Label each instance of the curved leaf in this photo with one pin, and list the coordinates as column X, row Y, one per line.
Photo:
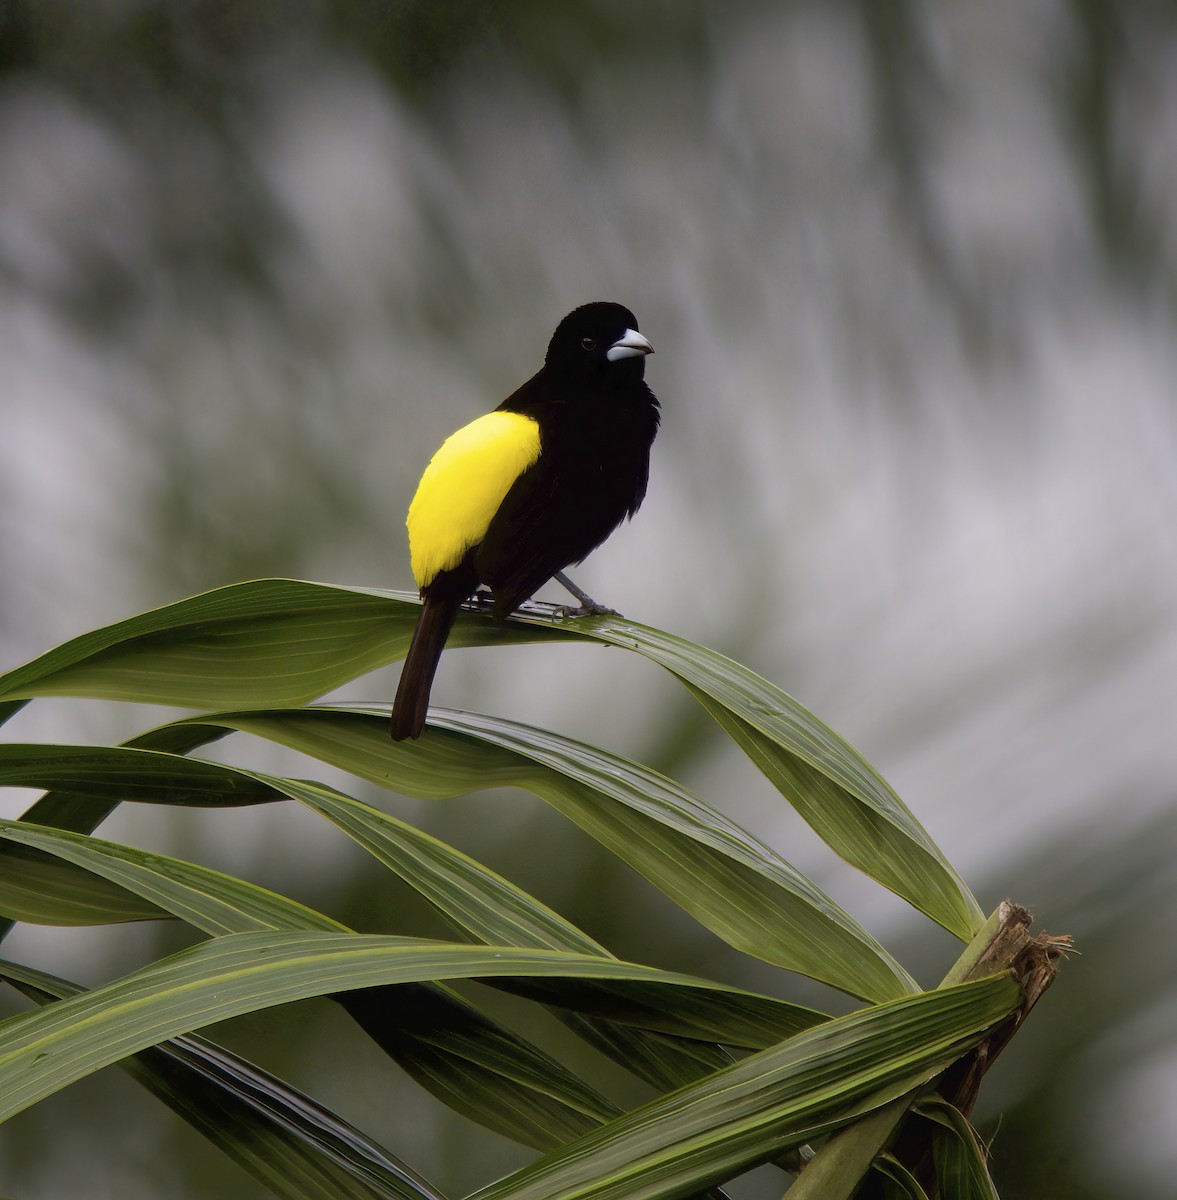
column 729, row 881
column 961, row 1167
column 83, row 814
column 666, row 833
column 842, row 797
column 281, row 642
column 284, row 1139
column 210, row 900
column 446, row 1055
column 120, row 773
column 44, row 890
column 103, row 772
column 897, row 1182
column 748, row 1113
column 473, row 899
column 43, row 1051
column 479, row 1068
column 268, row 641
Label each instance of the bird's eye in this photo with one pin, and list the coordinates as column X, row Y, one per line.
column 588, row 344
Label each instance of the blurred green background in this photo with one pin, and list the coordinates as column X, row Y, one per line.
column 910, row 272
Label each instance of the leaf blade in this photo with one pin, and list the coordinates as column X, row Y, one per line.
column 961, row 1162
column 720, row 874
column 795, row 750
column 42, row 1051
column 747, row 1113
column 478, row 1067
column 282, row 1137
column 282, row 642
column 266, row 641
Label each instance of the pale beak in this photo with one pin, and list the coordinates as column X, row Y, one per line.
column 630, row 344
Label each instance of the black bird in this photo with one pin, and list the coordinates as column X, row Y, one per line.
column 516, row 496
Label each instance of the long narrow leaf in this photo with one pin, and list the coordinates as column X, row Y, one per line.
column 210, row 900
column 470, row 1062
column 476, row 1066
column 665, row 1061
column 898, row 1183
column 491, row 909
column 284, row 1139
column 482, row 904
column 727, row 879
column 103, row 772
column 44, row 890
column 277, row 642
column 473, row 899
column 120, row 774
column 443, row 1058
column 41, row 1052
column 721, row 875
column 705, row 1133
column 82, row 814
column 845, row 800
column 961, row 1166
column 266, row 642
column 678, row 840
column 897, row 853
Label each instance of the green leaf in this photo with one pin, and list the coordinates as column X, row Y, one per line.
column 480, row 1069
column 284, row 1139
column 898, row 1183
column 119, row 773
column 492, row 909
column 883, row 841
column 65, row 810
column 961, row 1165
column 748, row 1113
column 45, row 890
column 41, row 1052
column 281, row 642
column 842, row 797
column 103, row 772
column 473, row 899
column 165, row 886
column 477, row 1067
column 266, row 642
column 442, row 1052
column 661, row 1059
column 729, row 881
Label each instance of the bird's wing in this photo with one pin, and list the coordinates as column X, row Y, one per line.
column 463, row 487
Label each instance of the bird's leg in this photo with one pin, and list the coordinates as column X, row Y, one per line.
column 588, row 606
column 482, row 598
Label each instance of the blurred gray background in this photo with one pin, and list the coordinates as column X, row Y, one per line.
column 909, row 269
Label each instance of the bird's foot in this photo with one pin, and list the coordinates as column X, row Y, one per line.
column 583, row 610
column 481, row 599
column 587, row 607
column 590, row 608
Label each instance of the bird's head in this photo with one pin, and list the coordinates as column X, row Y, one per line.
column 599, row 340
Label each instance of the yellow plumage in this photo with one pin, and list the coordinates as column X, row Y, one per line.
column 463, row 486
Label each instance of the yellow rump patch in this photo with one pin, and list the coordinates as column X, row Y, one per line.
column 463, row 486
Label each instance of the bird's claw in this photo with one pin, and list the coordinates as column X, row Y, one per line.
column 593, row 609
column 483, row 598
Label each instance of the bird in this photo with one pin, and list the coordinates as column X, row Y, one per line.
column 532, row 487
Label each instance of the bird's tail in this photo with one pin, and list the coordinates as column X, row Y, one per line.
column 412, row 694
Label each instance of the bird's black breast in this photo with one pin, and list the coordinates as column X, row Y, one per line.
column 590, row 475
